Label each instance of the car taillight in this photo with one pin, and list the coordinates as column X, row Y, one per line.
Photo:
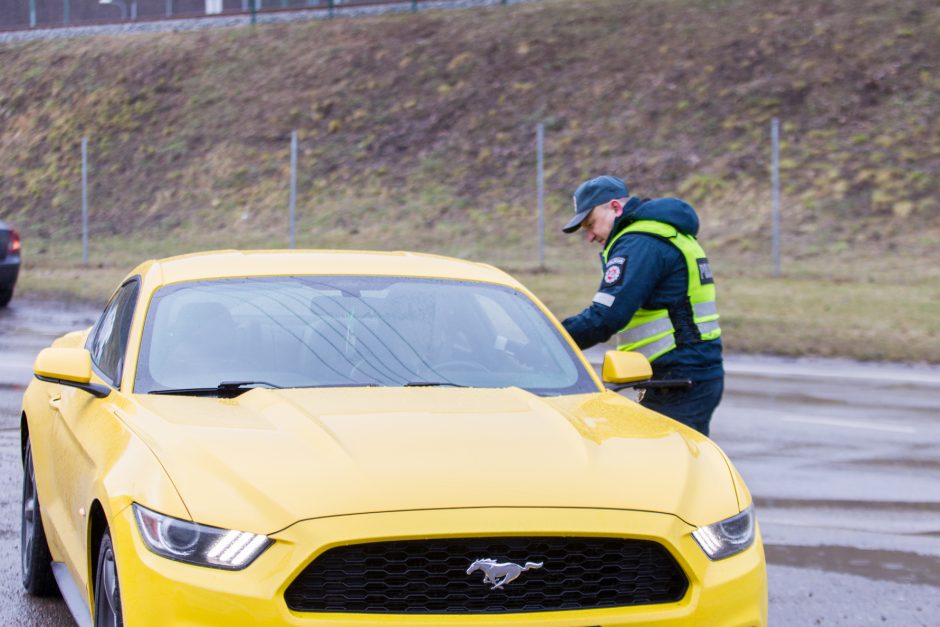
column 14, row 246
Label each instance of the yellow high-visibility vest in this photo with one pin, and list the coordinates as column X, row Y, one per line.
column 650, row 331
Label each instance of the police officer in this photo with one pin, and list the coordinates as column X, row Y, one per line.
column 657, row 291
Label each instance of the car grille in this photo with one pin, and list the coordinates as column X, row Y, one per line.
column 430, row 576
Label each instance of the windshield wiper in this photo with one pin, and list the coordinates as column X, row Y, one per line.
column 339, row 385
column 432, row 384
column 226, row 389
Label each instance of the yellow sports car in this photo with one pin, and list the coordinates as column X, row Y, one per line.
column 351, row 438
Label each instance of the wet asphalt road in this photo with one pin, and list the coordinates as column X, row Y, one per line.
column 843, row 460
column 844, row 465
column 25, row 328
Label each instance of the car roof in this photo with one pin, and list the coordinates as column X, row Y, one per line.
column 236, row 263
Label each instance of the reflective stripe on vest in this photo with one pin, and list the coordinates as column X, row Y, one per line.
column 707, row 327
column 655, row 349
column 650, row 331
column 647, row 329
column 708, row 308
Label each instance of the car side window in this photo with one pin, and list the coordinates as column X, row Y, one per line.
column 108, row 342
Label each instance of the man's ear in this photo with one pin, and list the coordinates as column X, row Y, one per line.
column 617, row 206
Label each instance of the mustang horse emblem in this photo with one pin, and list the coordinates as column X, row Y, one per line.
column 499, row 574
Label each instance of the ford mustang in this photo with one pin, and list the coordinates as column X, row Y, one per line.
column 352, row 438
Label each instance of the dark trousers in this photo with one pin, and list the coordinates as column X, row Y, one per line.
column 691, row 406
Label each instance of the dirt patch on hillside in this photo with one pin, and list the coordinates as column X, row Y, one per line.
column 432, row 116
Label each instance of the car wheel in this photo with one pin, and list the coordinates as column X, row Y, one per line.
column 6, row 293
column 107, row 589
column 35, row 559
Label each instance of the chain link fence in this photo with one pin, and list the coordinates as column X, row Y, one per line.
column 44, row 14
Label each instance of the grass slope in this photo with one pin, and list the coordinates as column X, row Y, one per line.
column 417, row 132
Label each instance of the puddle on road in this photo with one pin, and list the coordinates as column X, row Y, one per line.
column 27, row 324
column 844, row 504
column 46, row 316
column 887, row 462
column 894, row 566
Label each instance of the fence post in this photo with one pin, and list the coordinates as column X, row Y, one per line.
column 66, row 12
column 540, row 186
column 293, row 189
column 775, row 183
column 414, row 5
column 169, row 8
column 253, row 11
column 120, row 4
column 32, row 13
column 85, row 200
column 329, row 7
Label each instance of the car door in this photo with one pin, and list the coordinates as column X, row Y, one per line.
column 84, row 427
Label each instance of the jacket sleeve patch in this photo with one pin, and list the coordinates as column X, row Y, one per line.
column 613, row 273
column 603, row 298
column 705, row 272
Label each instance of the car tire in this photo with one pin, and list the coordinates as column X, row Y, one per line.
column 35, row 559
column 107, row 587
column 6, row 293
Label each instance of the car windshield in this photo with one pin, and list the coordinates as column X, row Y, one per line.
column 291, row 332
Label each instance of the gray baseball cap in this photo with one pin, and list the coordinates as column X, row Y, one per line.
column 592, row 193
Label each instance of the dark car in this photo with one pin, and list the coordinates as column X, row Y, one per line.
column 9, row 261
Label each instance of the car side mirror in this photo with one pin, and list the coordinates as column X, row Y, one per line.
column 625, row 367
column 68, row 366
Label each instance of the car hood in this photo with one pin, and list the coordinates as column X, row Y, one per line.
column 269, row 458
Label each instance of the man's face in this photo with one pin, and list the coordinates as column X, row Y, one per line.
column 599, row 223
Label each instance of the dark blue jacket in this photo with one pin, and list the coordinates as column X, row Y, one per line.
column 654, row 275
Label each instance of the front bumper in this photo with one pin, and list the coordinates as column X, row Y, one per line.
column 156, row 590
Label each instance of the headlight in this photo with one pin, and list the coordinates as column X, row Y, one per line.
column 193, row 543
column 728, row 537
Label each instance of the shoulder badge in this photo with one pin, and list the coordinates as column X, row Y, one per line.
column 613, row 273
column 705, row 272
